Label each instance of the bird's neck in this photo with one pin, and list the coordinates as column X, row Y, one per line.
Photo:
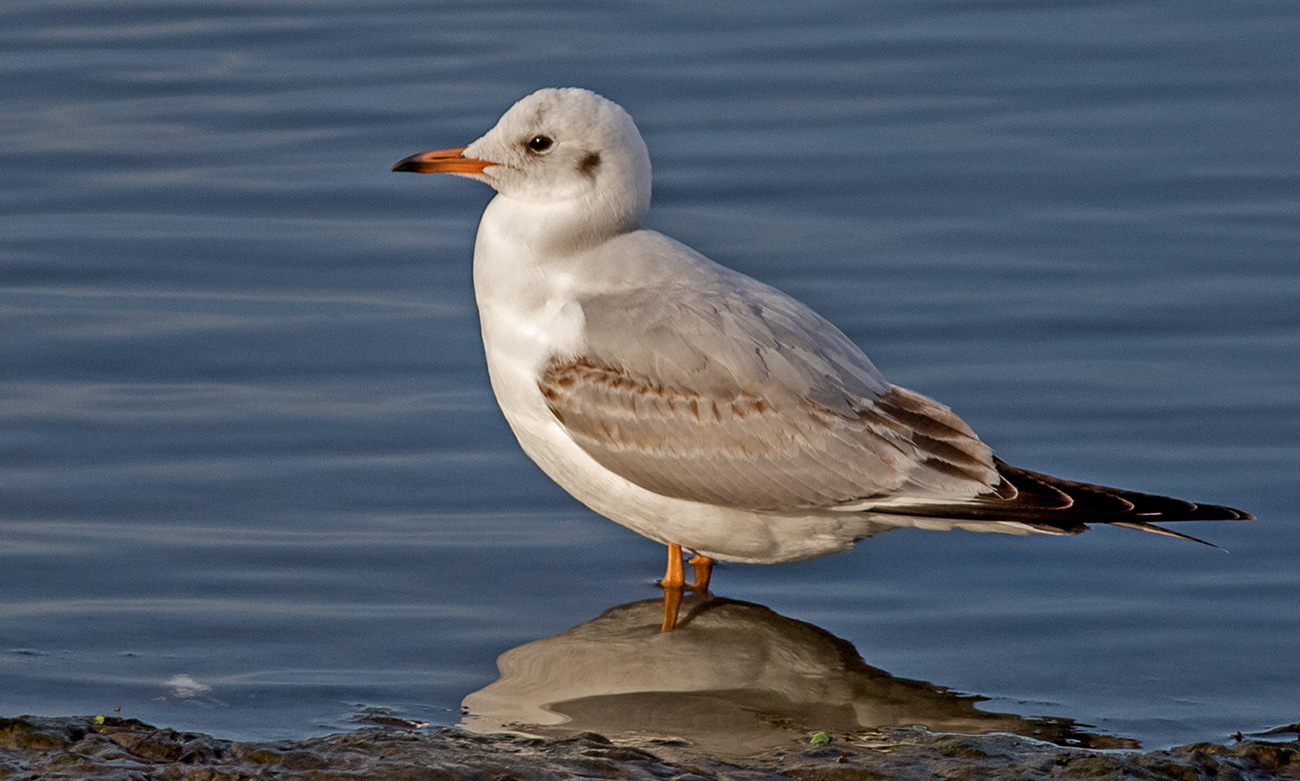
column 558, row 230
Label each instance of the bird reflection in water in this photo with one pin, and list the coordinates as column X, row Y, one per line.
column 737, row 678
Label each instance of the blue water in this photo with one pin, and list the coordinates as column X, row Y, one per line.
column 252, row 478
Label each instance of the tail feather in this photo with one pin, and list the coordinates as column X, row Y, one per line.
column 1058, row 505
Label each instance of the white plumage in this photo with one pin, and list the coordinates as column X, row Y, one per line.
column 698, row 406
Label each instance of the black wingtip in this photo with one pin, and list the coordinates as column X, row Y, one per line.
column 1057, row 506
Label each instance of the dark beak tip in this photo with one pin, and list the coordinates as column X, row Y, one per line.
column 406, row 165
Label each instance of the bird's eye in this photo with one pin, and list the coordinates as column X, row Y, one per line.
column 539, row 143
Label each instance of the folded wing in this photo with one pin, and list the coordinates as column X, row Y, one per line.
column 752, row 402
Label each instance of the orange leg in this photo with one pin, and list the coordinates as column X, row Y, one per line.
column 672, row 605
column 674, row 583
column 675, row 576
column 703, row 566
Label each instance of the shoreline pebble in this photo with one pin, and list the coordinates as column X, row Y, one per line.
column 81, row 747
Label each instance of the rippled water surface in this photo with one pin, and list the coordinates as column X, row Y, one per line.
column 252, row 478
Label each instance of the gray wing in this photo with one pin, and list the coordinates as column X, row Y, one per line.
column 743, row 397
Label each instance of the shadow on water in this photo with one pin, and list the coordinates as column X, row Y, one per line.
column 734, row 677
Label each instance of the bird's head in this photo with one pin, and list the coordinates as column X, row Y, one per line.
column 557, row 146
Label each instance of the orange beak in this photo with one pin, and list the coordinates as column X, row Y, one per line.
column 442, row 161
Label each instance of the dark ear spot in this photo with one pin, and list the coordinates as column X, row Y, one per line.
column 589, row 165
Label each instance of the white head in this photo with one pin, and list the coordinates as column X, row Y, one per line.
column 558, row 146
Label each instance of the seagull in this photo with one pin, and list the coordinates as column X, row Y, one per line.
column 696, row 405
